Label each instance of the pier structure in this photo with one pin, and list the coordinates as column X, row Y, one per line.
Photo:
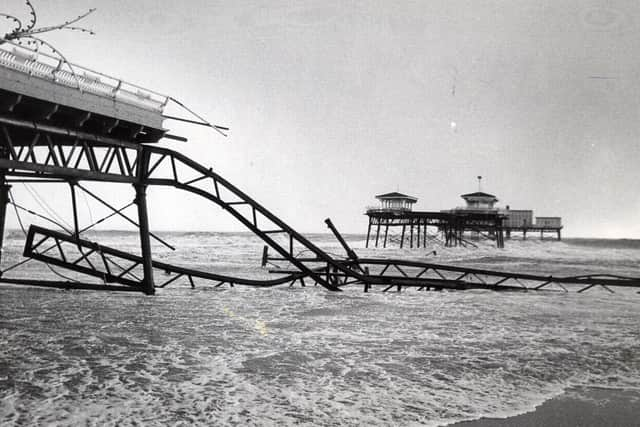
column 79, row 126
column 417, row 228
column 68, row 125
column 521, row 222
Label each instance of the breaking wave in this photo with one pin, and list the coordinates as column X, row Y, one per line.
column 306, row 356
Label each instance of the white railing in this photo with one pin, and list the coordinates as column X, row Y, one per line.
column 41, row 65
column 470, row 209
column 372, row 209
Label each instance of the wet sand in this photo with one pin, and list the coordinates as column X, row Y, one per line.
column 583, row 407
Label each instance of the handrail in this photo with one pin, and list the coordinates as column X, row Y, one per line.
column 79, row 77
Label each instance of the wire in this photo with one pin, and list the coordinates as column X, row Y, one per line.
column 25, row 234
column 40, row 216
column 43, row 204
column 86, row 202
column 24, row 261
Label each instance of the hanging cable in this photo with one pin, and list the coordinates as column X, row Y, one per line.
column 25, row 234
column 40, row 216
column 43, row 204
column 86, row 202
column 18, row 264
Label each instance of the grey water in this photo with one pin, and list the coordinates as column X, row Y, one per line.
column 305, row 356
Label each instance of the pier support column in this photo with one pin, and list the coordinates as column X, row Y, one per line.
column 445, row 233
column 74, row 205
column 418, row 238
column 411, row 236
column 424, row 236
column 368, row 233
column 148, row 286
column 386, row 232
column 4, row 199
column 378, row 233
column 402, row 236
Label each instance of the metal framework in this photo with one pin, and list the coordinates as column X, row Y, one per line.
column 44, row 153
column 398, row 274
column 60, row 126
column 37, row 152
column 451, row 226
column 34, row 151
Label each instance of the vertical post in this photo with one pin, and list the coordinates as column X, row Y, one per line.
column 378, row 232
column 402, row 237
column 141, row 200
column 368, row 233
column 386, row 232
column 424, row 236
column 419, row 233
column 445, row 228
column 367, row 285
column 4, row 199
column 559, row 238
column 74, row 205
column 411, row 235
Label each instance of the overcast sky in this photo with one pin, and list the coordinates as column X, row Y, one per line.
column 332, row 102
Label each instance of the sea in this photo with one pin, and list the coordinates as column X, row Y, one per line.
column 306, row 356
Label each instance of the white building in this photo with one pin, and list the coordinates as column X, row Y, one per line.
column 480, row 201
column 396, row 202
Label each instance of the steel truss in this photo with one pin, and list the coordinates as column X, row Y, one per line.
column 43, row 153
column 403, row 273
column 395, row 273
column 115, row 266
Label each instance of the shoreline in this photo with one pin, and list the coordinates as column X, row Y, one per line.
column 577, row 406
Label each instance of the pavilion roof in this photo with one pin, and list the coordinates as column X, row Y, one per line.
column 479, row 194
column 396, row 195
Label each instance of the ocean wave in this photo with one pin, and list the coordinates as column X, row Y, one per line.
column 307, row 356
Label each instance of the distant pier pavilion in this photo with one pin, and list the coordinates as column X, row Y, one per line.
column 395, row 221
column 417, row 228
column 396, row 202
column 515, row 221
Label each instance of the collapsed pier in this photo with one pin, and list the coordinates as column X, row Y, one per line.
column 77, row 125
